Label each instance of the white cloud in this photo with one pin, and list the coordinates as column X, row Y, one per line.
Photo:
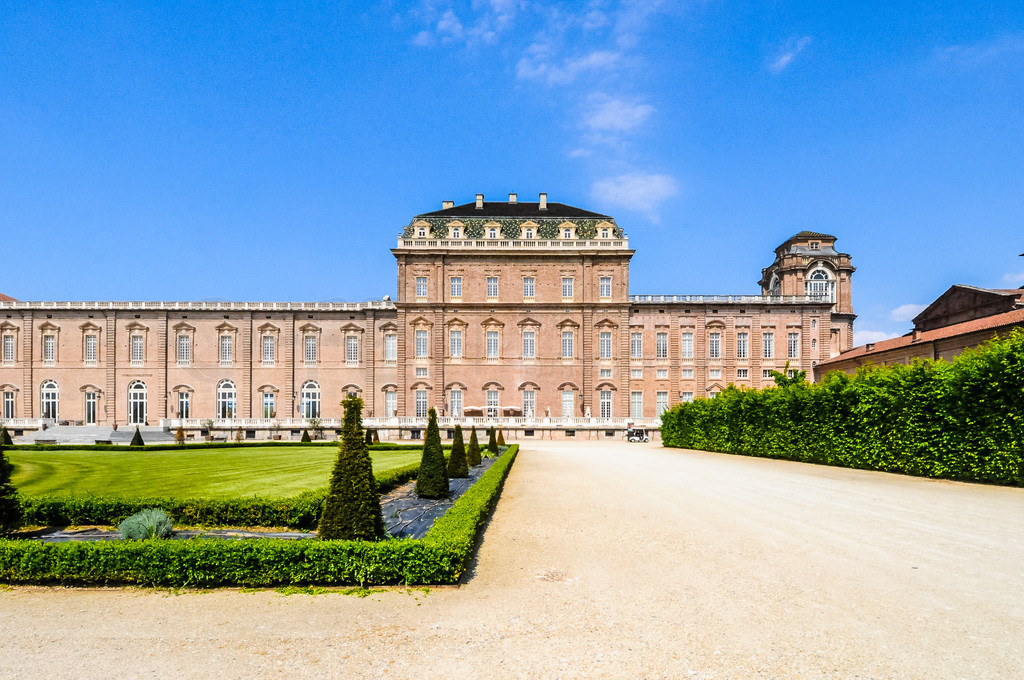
column 906, row 312
column 579, row 153
column 1014, row 278
column 984, row 51
column 485, row 22
column 608, row 113
column 635, row 191
column 539, row 65
column 449, row 26
column 864, row 337
column 788, row 54
column 423, row 39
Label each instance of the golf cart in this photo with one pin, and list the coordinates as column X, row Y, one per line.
column 637, row 434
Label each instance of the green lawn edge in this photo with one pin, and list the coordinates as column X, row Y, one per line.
column 441, row 557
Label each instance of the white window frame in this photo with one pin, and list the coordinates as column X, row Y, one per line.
column 492, row 343
column 137, row 344
column 309, row 399
column 568, row 403
column 636, row 345
column 184, row 404
column 390, row 347
column 529, row 344
column 568, row 344
column 605, row 287
column 49, row 349
column 137, row 402
column 660, row 402
column 8, row 405
column 421, row 286
column 352, row 350
column 309, row 350
column 604, row 344
column 390, row 404
column 686, row 374
column 793, row 345
column 768, row 345
column 636, row 404
column 661, row 345
column 686, row 345
column 714, row 374
column 268, row 348
column 269, row 407
column 10, row 348
column 529, row 403
column 493, row 403
column 567, row 287
column 605, row 403
column 455, row 402
column 49, row 400
column 455, row 288
column 422, row 344
column 92, row 344
column 605, row 373
column 455, row 343
column 226, row 345
column 686, row 397
column 714, row 345
column 742, row 374
column 742, row 345
column 529, row 287
column 227, row 399
column 662, row 374
column 421, row 404
column 183, row 349
column 492, row 287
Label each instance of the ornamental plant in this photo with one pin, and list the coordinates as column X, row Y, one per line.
column 473, row 452
column 501, row 438
column 147, row 524
column 137, row 438
column 305, row 437
column 10, row 505
column 369, row 436
column 492, row 444
column 179, row 435
column 352, row 507
column 457, row 464
column 432, row 480
column 5, row 437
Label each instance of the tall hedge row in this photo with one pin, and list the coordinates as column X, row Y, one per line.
column 962, row 419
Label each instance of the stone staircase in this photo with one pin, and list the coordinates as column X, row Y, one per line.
column 89, row 434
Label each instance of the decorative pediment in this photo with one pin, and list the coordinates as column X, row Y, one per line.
column 90, row 388
column 352, row 328
column 183, row 388
column 530, row 385
column 351, row 387
column 455, row 386
column 493, row 385
column 716, row 323
column 568, row 386
column 605, row 386
column 568, row 323
column 9, row 388
column 528, row 322
column 267, row 388
column 183, row 327
column 421, row 385
column 309, row 328
column 226, row 327
column 8, row 326
column 268, row 328
column 388, row 327
column 491, row 322
column 715, row 386
column 49, row 326
column 456, row 321
column 88, row 327
column 137, row 326
column 607, row 324
column 389, row 387
column 421, row 322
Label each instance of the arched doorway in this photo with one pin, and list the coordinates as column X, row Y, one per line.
column 226, row 395
column 310, row 403
column 49, row 400
column 137, row 403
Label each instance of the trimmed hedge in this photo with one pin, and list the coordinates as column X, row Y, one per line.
column 955, row 420
column 201, row 445
column 298, row 512
column 440, row 557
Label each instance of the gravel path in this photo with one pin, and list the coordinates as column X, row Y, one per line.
column 611, row 560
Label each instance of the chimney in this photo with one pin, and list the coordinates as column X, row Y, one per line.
column 445, row 205
column 916, row 335
column 479, row 201
column 512, row 198
column 543, row 202
column 870, row 346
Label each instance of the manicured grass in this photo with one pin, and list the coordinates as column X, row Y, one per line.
column 266, row 472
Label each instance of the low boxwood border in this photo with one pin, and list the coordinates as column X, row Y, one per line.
column 439, row 558
column 199, row 446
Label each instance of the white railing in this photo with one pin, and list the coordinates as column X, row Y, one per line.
column 201, row 306
column 750, row 299
column 24, row 422
column 406, row 422
column 511, row 244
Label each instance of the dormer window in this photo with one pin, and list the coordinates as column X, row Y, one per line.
column 422, row 233
column 604, row 233
column 529, row 233
column 493, row 233
column 815, row 245
column 567, row 233
column 456, row 232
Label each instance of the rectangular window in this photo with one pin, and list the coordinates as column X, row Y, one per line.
column 636, row 373
column 528, row 287
column 269, row 350
column 636, row 404
column 662, row 374
column 766, row 373
column 606, row 372
column 606, row 287
column 493, row 407
column 568, row 403
column 351, row 349
column 714, row 345
column 421, row 286
column 686, row 396
column 529, row 403
column 8, row 405
column 715, row 374
column 421, row 371
column 184, row 404
column 768, row 345
column 606, row 403
column 661, row 345
column 137, row 347
column 268, row 405
column 390, row 347
column 455, row 344
column 567, row 345
column 421, row 344
column 793, row 345
column 91, row 344
column 742, row 345
column 49, row 349
column 421, row 403
column 492, row 286
column 455, row 400
column 529, row 344
column 661, row 402
column 686, row 373
column 8, row 349
column 636, row 345
column 605, row 344
column 567, row 287
column 742, row 373
column 309, row 343
column 390, row 404
column 686, row 346
column 226, row 350
column 456, row 287
column 492, row 344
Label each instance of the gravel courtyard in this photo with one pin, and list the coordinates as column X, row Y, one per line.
column 611, row 560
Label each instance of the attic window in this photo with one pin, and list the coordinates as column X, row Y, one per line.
column 422, row 232
column 815, row 245
column 456, row 233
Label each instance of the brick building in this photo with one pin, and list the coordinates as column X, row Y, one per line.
column 510, row 310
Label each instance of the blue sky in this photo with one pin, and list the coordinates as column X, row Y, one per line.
column 221, row 151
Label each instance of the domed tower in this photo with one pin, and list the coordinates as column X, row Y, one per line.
column 808, row 264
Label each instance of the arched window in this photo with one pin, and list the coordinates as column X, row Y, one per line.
column 493, row 233
column 310, row 403
column 529, row 233
column 821, row 284
column 226, row 399
column 567, row 233
column 456, row 232
column 422, row 233
column 774, row 288
column 49, row 400
column 137, row 403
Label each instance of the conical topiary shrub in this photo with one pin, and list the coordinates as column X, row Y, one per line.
column 473, row 451
column 376, row 438
column 492, row 444
column 501, row 438
column 352, row 507
column 369, row 436
column 457, row 465
column 5, row 437
column 305, row 437
column 10, row 506
column 432, row 479
column 137, row 438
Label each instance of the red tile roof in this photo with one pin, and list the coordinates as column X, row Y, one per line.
column 993, row 323
column 7, row 298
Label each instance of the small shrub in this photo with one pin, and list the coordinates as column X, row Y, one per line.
column 5, row 437
column 137, row 439
column 369, row 436
column 376, row 439
column 501, row 438
column 305, row 437
column 147, row 524
column 179, row 435
column 473, row 451
column 10, row 505
column 492, row 444
column 238, row 435
column 458, row 467
column 432, row 480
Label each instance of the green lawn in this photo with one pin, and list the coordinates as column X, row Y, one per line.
column 212, row 473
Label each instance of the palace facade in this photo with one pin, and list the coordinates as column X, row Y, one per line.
column 505, row 310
